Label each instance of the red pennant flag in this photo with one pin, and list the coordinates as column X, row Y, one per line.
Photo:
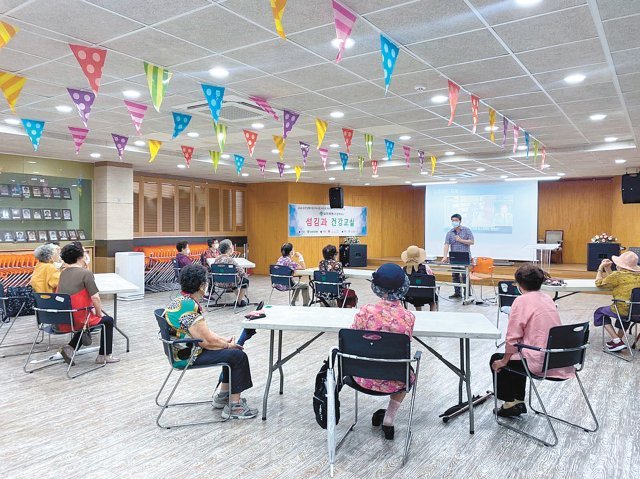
column 187, row 151
column 252, row 139
column 544, row 157
column 475, row 103
column 374, row 165
column 91, row 61
column 79, row 135
column 454, row 92
column 348, row 136
column 407, row 155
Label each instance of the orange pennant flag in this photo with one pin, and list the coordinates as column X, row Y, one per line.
column 11, row 86
column 280, row 144
column 7, row 32
column 154, row 147
column 277, row 6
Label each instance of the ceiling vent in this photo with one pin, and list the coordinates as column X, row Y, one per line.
column 234, row 109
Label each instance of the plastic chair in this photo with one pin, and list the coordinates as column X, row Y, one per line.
column 423, row 287
column 626, row 323
column 483, row 269
column 507, row 293
column 327, row 286
column 224, row 279
column 282, row 276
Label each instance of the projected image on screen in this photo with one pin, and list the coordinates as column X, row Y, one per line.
column 484, row 213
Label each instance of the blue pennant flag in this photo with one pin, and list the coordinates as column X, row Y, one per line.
column 213, row 95
column 389, row 145
column 526, row 142
column 239, row 163
column 34, row 129
column 180, row 123
column 344, row 158
column 389, row 56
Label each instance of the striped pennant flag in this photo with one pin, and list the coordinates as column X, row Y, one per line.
column 11, row 86
column 324, row 154
column 264, row 105
column 137, row 112
column 321, row 127
column 368, row 141
column 277, row 7
column 221, row 134
column 158, row 78
column 280, row 144
column 78, row 135
column 434, row 160
column 215, row 159
column 407, row 155
column 344, row 21
column 7, row 31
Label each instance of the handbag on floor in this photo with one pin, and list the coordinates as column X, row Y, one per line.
column 20, row 302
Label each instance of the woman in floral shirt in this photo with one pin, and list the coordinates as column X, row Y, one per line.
column 287, row 260
column 329, row 264
column 390, row 284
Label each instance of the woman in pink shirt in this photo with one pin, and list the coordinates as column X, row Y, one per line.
column 533, row 314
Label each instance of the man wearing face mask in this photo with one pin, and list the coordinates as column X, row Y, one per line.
column 459, row 238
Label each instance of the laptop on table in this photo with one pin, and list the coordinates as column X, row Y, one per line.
column 459, row 258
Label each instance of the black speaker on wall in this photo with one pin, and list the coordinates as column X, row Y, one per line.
column 630, row 189
column 336, row 197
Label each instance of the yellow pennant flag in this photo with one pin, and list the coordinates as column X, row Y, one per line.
column 154, row 147
column 321, row 126
column 277, row 7
column 280, row 144
column 11, row 86
column 215, row 159
column 492, row 124
column 298, row 170
column 433, row 164
column 7, row 32
column 158, row 78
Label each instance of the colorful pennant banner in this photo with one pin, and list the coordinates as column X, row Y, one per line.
column 280, row 144
column 239, row 161
column 389, row 145
column 180, row 123
column 214, row 96
column 475, row 104
column 505, row 127
column 344, row 20
column 407, row 155
column 434, row 160
column 7, row 32
column 421, row 159
column 298, row 170
column 389, row 56
column 120, row 142
column 280, row 168
column 492, row 125
column 34, row 129
column 158, row 79
column 91, row 61
column 374, row 166
column 526, row 142
column 454, row 92
column 536, row 145
column 304, row 148
column 137, row 112
column 251, row 138
column 543, row 155
column 348, row 137
column 221, row 134
column 324, row 154
column 187, row 152
column 78, row 135
column 516, row 132
column 215, row 159
column 83, row 101
column 344, row 158
column 262, row 164
column 277, row 7
column 321, row 128
column 264, row 105
column 154, row 148
column 290, row 118
column 368, row 142
column 360, row 164
column 11, row 86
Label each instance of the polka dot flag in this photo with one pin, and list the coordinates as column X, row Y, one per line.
column 180, row 123
column 91, row 61
column 344, row 158
column 389, row 56
column 280, row 168
column 252, row 139
column 262, row 164
column 304, row 148
column 34, row 129
column 239, row 160
column 214, row 96
column 187, row 152
column 120, row 142
column 290, row 118
column 83, row 101
column 389, row 145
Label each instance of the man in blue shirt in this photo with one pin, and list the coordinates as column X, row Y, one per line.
column 459, row 238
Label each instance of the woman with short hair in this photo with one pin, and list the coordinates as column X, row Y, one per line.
column 226, row 257
column 183, row 252
column 46, row 275
column 329, row 263
column 286, row 259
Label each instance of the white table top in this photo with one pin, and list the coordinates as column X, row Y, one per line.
column 348, row 272
column 332, row 320
column 544, row 246
column 111, row 283
column 575, row 285
column 242, row 262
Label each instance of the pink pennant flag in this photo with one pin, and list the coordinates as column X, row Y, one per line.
column 516, row 132
column 304, row 148
column 79, row 135
column 454, row 92
column 324, row 154
column 344, row 20
column 348, row 137
column 261, row 165
column 544, row 157
column 83, row 101
column 120, row 142
column 374, row 165
column 280, row 168
column 421, row 159
column 187, row 151
column 407, row 155
column 264, row 104
column 252, row 139
column 137, row 111
column 475, row 103
column 290, row 118
column 91, row 61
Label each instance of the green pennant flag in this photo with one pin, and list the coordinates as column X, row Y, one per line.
column 158, row 78
column 368, row 141
column 535, row 151
column 360, row 164
column 215, row 158
column 221, row 134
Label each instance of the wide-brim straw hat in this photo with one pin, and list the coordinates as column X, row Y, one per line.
column 413, row 256
column 627, row 260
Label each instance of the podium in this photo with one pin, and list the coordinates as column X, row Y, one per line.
column 543, row 254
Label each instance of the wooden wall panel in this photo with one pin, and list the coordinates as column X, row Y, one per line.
column 624, row 218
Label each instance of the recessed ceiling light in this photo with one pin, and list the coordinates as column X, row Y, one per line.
column 481, row 169
column 36, row 172
column 504, row 177
column 139, row 143
column 337, row 41
column 522, row 147
column 275, row 151
column 534, row 178
column 545, row 166
column 560, row 174
column 404, row 137
column 287, row 167
column 225, row 156
column 407, row 182
column 384, row 158
column 336, row 114
column 367, row 184
column 597, row 117
column 64, row 108
column 527, row 3
column 95, row 155
column 610, row 139
column 182, row 167
column 32, row 162
column 374, row 176
column 219, row 72
column 331, row 178
column 449, row 153
column 193, row 134
column 333, row 162
column 491, row 128
column 574, row 78
column 453, row 180
column 439, row 99
column 12, row 121
column 245, row 174
column 257, row 126
column 424, row 172
column 334, row 145
column 620, row 161
column 131, row 94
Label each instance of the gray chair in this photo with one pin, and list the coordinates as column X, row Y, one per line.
column 626, row 323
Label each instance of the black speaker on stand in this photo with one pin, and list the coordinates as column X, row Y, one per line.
column 596, row 252
column 353, row 255
column 336, row 197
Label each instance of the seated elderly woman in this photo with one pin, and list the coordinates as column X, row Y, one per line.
column 185, row 317
column 330, row 263
column 286, row 259
column 414, row 259
column 182, row 255
column 46, row 274
column 226, row 257
column 621, row 282
column 390, row 284
column 533, row 314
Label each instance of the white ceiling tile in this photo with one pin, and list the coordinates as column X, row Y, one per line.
column 597, row 73
column 586, row 52
column 354, row 93
column 579, row 92
column 501, row 11
column 150, row 11
column 627, row 61
column 617, row 8
column 267, row 87
column 275, row 56
column 622, row 33
column 484, row 70
column 319, row 76
column 369, row 66
column 630, row 82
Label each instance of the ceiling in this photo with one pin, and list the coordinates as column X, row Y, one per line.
column 514, row 58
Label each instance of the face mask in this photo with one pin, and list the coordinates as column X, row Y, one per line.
column 87, row 259
column 58, row 264
column 455, row 224
column 187, row 252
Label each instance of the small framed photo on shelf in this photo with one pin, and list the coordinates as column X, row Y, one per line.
column 36, row 192
column 16, row 214
column 46, row 192
column 16, row 191
column 7, row 237
column 26, row 213
column 42, row 236
column 73, row 236
column 26, row 191
column 66, row 193
column 62, row 235
column 21, row 237
column 55, row 193
column 46, row 214
column 66, row 215
column 57, row 214
column 81, row 235
column 53, row 235
column 36, row 214
column 31, row 236
column 5, row 214
column 4, row 190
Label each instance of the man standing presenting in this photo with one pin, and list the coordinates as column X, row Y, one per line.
column 459, row 238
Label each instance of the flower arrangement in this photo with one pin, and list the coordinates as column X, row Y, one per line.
column 351, row 240
column 604, row 238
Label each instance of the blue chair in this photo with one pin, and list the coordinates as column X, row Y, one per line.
column 566, row 347
column 507, row 293
column 224, row 278
column 327, row 286
column 282, row 276
column 626, row 323
column 52, row 311
column 191, row 348
column 369, row 355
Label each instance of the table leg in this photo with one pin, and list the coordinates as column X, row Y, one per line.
column 467, row 373
column 280, row 362
column 115, row 319
column 269, row 375
column 462, row 372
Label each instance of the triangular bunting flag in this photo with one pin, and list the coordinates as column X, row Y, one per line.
column 187, row 152
column 290, row 118
column 368, row 142
column 7, row 32
column 516, row 132
column 277, row 7
column 505, row 127
column 79, row 135
column 360, row 164
column 389, row 56
column 280, row 168
column 83, row 101
column 321, row 127
column 492, row 125
column 154, row 148
column 374, row 166
column 344, row 20
column 475, row 103
column 536, row 145
column 389, row 145
column 421, row 159
column 261, row 165
column 120, row 142
column 34, row 129
column 298, row 170
column 434, row 160
column 158, row 79
column 348, row 137
column 526, row 142
column 91, row 61
column 304, row 148
column 344, row 158
column 11, row 86
column 252, row 138
column 264, row 104
column 214, row 96
column 215, row 159
column 221, row 135
column 454, row 91
column 543, row 155
column 239, row 160
column 280, row 144
column 137, row 111
column 407, row 155
column 180, row 123
column 324, row 154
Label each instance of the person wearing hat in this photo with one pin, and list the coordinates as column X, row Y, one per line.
column 390, row 284
column 621, row 282
column 414, row 262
